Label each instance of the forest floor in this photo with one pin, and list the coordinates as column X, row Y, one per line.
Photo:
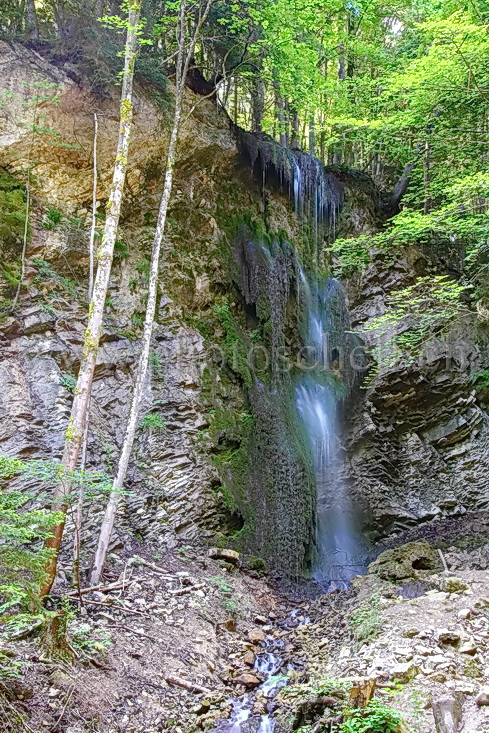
column 172, row 639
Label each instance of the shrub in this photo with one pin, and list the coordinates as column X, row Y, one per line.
column 374, row 718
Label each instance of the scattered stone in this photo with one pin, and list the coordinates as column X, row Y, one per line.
column 411, row 633
column 249, row 658
column 248, row 680
column 483, row 697
column 452, row 584
column 261, row 620
column 405, row 671
column 447, row 636
column 468, row 647
column 256, row 636
column 221, row 553
column 464, row 614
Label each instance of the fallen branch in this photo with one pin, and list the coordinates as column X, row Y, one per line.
column 187, row 685
column 102, row 588
column 152, row 566
column 187, row 589
column 53, row 728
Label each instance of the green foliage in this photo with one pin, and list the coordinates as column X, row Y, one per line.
column 374, row 718
column 88, row 640
column 22, row 556
column 428, row 308
column 60, row 282
column 12, row 211
column 52, row 219
column 68, row 381
column 365, row 623
column 234, row 345
column 121, row 250
column 229, row 603
column 153, row 421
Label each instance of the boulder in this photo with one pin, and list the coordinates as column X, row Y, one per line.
column 447, row 711
column 413, row 560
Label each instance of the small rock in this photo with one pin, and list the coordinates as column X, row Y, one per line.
column 249, row 658
column 256, row 636
column 260, row 620
column 53, row 692
column 468, row 647
column 452, row 584
column 220, row 553
column 248, row 680
column 464, row 614
column 447, row 636
column 405, row 671
column 411, row 633
column 483, row 697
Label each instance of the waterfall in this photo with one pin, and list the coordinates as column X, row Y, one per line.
column 340, row 551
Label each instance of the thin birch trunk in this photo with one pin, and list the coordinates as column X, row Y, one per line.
column 79, row 411
column 24, row 241
column 183, row 60
column 91, row 246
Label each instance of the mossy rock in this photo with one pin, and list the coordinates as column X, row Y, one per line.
column 413, row 560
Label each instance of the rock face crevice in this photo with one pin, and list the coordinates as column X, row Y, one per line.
column 418, row 435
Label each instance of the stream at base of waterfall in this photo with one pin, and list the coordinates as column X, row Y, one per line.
column 269, row 665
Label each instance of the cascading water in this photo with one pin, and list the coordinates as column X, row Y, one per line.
column 340, row 552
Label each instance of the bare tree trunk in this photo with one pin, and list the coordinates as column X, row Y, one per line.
column 79, row 411
column 31, row 26
column 183, row 60
column 426, row 178
column 257, row 103
column 312, row 137
column 94, row 207
column 24, row 241
column 294, row 140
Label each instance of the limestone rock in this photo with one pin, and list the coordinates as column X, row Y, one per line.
column 404, row 672
column 483, row 697
column 447, row 712
column 452, row 584
column 256, row 636
column 218, row 553
column 407, row 561
column 248, row 680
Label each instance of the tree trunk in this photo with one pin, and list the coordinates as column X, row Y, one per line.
column 31, row 26
column 257, row 103
column 426, row 178
column 282, row 123
column 184, row 58
column 94, row 207
column 312, row 138
column 294, row 140
column 79, row 411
